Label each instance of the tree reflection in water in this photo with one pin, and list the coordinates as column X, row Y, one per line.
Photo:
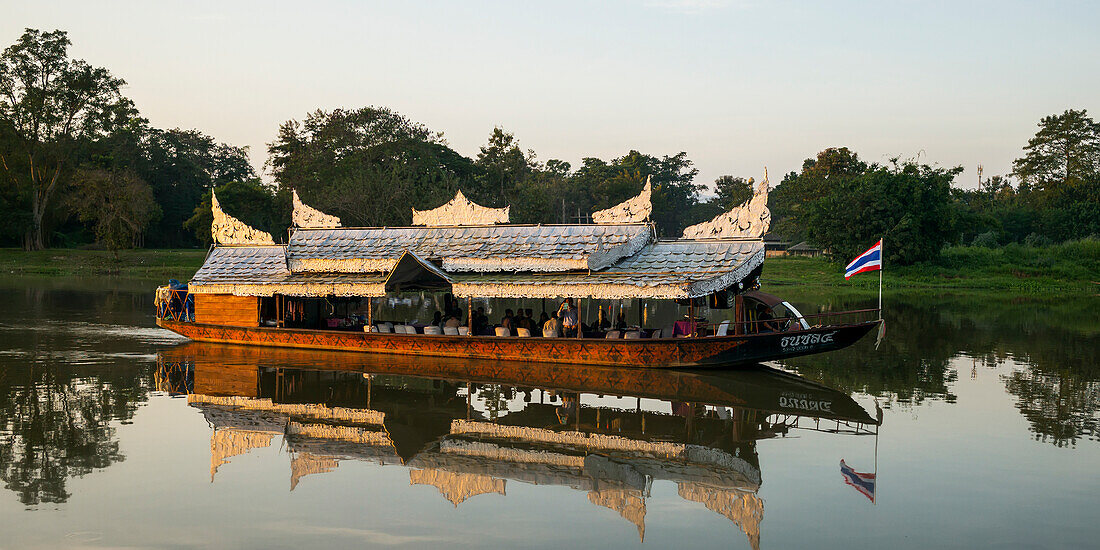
column 56, row 424
column 1055, row 342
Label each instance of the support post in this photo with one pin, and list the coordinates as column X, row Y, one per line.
column 580, row 321
column 739, row 315
column 691, row 316
column 370, row 314
column 470, row 314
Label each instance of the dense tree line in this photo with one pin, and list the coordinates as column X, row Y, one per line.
column 80, row 165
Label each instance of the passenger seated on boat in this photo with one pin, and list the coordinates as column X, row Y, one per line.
column 437, row 319
column 455, row 320
column 543, row 318
column 551, row 328
column 525, row 321
column 481, row 323
column 569, row 316
column 508, row 319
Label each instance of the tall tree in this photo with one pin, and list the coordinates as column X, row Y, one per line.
column 1064, row 151
column 503, row 166
column 50, row 103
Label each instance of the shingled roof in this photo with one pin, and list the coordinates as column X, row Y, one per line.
column 497, row 261
column 262, row 271
column 665, row 269
column 540, row 248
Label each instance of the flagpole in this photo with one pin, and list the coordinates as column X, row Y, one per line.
column 882, row 264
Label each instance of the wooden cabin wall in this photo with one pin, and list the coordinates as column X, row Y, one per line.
column 226, row 309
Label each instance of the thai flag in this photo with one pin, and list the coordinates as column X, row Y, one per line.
column 868, row 261
column 864, row 483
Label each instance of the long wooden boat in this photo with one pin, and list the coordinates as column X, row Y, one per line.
column 255, row 292
column 670, row 352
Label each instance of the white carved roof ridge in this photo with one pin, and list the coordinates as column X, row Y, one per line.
column 304, row 215
column 226, row 229
column 460, row 211
column 751, row 219
column 633, row 210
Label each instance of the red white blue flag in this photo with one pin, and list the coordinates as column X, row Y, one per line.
column 868, row 261
column 864, row 483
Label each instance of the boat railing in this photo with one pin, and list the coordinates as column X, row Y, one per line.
column 175, row 304
column 785, row 324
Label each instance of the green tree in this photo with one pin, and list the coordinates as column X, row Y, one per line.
column 369, row 166
column 1060, row 177
column 181, row 166
column 789, row 201
column 503, row 166
column 1064, row 152
column 731, row 192
column 49, row 105
column 845, row 205
column 119, row 204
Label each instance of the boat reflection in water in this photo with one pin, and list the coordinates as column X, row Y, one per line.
column 470, row 427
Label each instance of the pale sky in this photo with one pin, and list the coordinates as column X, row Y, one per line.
column 738, row 85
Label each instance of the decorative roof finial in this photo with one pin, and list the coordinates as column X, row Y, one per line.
column 633, row 210
column 226, row 229
column 305, row 215
column 749, row 220
column 460, row 211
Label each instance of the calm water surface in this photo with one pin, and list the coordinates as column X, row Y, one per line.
column 114, row 433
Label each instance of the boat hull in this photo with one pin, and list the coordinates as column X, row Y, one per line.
column 644, row 353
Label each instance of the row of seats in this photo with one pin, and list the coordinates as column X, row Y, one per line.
column 388, row 327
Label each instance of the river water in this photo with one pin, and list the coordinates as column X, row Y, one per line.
column 114, row 433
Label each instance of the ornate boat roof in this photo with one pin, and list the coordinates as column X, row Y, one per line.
column 485, row 248
column 473, row 252
column 663, row 269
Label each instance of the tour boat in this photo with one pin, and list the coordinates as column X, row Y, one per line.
column 326, row 288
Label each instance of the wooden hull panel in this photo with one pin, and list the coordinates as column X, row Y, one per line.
column 645, row 353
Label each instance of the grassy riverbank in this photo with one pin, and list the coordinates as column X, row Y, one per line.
column 1072, row 267
column 1066, row 268
column 178, row 264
